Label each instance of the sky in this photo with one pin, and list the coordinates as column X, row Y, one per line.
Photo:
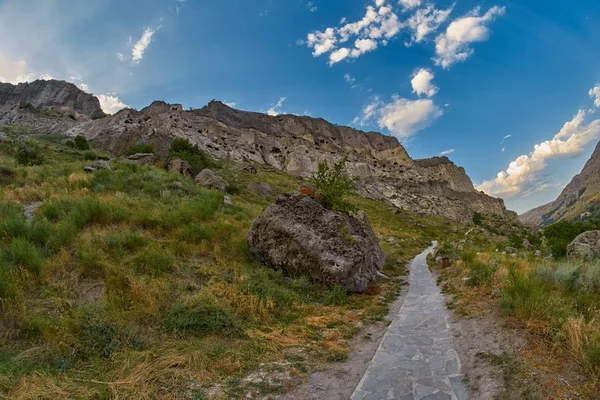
column 508, row 89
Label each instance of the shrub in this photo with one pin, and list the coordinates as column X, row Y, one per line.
column 23, row 253
column 81, row 143
column 140, row 148
column 481, row 274
column 468, row 257
column 28, row 156
column 335, row 185
column 561, row 234
column 477, row 218
column 90, row 211
column 202, row 315
column 197, row 158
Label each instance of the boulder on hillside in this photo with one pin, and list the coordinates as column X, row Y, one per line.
column 586, row 245
column 208, row 178
column 180, row 166
column 96, row 166
column 141, row 159
column 245, row 167
column 262, row 189
column 298, row 235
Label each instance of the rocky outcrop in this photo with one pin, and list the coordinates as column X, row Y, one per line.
column 97, row 166
column 297, row 144
column 299, row 236
column 141, row 159
column 59, row 104
column 209, row 179
column 577, row 199
column 179, row 166
column 261, row 189
column 586, row 245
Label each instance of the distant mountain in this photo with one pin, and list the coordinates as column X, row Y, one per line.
column 580, row 199
column 295, row 144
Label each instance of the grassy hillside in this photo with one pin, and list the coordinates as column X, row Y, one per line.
column 136, row 283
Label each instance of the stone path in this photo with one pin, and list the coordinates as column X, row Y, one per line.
column 416, row 359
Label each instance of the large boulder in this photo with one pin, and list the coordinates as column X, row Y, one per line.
column 97, row 166
column 208, row 178
column 141, row 159
column 298, row 235
column 244, row 167
column 180, row 166
column 586, row 245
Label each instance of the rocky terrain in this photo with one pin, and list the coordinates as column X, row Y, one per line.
column 579, row 199
column 295, row 144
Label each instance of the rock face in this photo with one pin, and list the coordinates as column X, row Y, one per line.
column 295, row 144
column 47, row 105
column 180, row 166
column 586, row 245
column 209, row 179
column 577, row 199
column 298, row 235
column 97, row 166
column 262, row 189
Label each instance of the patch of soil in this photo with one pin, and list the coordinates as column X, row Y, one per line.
column 338, row 381
column 91, row 290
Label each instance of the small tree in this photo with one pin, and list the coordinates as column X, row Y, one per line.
column 81, row 143
column 335, row 185
column 198, row 159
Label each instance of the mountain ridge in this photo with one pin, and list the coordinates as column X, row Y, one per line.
column 295, row 144
column 577, row 198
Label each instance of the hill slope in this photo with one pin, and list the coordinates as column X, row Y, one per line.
column 580, row 196
column 295, row 144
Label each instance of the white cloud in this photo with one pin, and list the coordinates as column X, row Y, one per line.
column 230, row 103
column 409, row 4
column 504, row 148
column 595, row 94
column 421, row 83
column 121, row 56
column 45, row 77
column 14, row 71
column 276, row 108
column 521, row 174
column 446, row 152
column 377, row 27
column 453, row 45
column 426, row 21
column 507, row 136
column 111, row 103
column 350, row 79
column 402, row 117
column 137, row 52
column 85, row 88
column 311, row 6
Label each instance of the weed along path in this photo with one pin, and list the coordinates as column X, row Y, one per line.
column 416, row 359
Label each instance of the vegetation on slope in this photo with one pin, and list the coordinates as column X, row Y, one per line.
column 135, row 282
column 555, row 304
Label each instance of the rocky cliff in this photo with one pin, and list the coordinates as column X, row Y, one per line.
column 296, row 144
column 579, row 199
column 47, row 104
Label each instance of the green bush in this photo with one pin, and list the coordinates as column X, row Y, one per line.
column 23, row 253
column 468, row 257
column 204, row 316
column 335, row 185
column 81, row 143
column 481, row 274
column 28, row 156
column 477, row 218
column 561, row 234
column 140, row 148
column 197, row 158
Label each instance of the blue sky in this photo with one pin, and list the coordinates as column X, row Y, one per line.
column 484, row 81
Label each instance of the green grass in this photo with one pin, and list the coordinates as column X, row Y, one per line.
column 137, row 275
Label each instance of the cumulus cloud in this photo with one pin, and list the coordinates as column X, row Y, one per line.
column 230, row 103
column 454, row 45
column 426, row 21
column 111, row 103
column 595, row 94
column 421, row 83
column 522, row 174
column 409, row 4
column 446, row 152
column 14, row 71
column 376, row 28
column 402, row 117
column 137, row 52
column 276, row 108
